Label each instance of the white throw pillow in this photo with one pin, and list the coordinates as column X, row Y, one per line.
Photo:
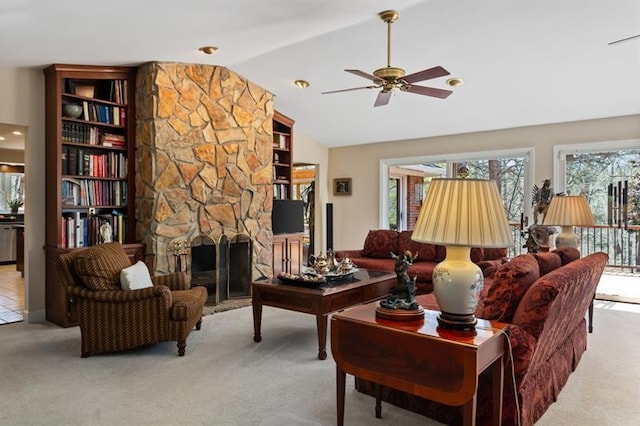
column 135, row 277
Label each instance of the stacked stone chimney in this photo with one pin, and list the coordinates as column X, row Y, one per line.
column 203, row 160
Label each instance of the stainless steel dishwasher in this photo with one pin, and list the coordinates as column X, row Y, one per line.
column 8, row 236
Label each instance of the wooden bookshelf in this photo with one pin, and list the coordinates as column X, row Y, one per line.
column 90, row 166
column 282, row 156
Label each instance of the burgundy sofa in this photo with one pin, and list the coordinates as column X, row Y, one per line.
column 544, row 297
column 380, row 243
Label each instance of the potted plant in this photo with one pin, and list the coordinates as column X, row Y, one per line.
column 15, row 204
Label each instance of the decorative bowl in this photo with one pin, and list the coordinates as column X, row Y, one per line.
column 72, row 110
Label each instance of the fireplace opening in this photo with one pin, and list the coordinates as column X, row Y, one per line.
column 223, row 267
column 239, row 266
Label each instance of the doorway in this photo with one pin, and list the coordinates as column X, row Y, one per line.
column 304, row 188
column 12, row 285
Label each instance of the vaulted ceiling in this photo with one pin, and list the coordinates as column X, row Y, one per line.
column 522, row 62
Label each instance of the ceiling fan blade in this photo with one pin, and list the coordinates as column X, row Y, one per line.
column 428, row 74
column 348, row 90
column 383, row 98
column 623, row 39
column 428, row 91
column 363, row 74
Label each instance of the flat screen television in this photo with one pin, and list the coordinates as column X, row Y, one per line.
column 287, row 216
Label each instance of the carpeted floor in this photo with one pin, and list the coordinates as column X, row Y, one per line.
column 227, row 379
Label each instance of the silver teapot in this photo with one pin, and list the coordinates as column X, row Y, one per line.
column 319, row 263
column 345, row 265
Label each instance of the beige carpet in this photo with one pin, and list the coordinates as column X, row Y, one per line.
column 227, row 379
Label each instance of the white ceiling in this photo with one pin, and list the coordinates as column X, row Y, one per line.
column 523, row 62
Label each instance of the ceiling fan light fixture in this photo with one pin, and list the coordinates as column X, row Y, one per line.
column 303, row 84
column 208, row 50
column 455, row 82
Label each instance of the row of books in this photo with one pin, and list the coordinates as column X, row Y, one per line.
column 81, row 192
column 82, row 231
column 281, row 141
column 104, row 113
column 91, row 135
column 280, row 191
column 80, row 162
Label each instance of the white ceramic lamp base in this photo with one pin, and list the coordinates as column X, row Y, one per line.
column 457, row 283
column 567, row 238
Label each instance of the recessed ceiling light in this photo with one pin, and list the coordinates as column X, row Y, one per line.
column 2, row 138
column 303, row 84
column 17, row 133
column 455, row 81
column 209, row 50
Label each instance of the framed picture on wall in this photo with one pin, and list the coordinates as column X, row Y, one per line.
column 342, row 186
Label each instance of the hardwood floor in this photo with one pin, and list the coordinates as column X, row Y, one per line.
column 11, row 294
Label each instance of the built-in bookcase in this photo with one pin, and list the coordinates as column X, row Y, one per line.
column 282, row 156
column 90, row 167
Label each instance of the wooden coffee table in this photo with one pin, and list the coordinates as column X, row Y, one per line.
column 366, row 286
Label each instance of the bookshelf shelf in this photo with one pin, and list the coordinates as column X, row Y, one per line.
column 90, row 166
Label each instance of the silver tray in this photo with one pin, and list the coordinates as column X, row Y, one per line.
column 337, row 276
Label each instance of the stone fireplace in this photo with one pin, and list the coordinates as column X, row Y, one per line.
column 203, row 165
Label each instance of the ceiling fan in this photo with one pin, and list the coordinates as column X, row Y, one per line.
column 390, row 78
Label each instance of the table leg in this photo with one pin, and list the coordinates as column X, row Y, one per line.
column 340, row 384
column 469, row 411
column 591, row 317
column 321, row 322
column 378, row 389
column 257, row 321
column 497, row 379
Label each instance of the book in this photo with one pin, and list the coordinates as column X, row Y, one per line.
column 72, row 160
column 85, row 110
column 79, row 232
column 63, row 160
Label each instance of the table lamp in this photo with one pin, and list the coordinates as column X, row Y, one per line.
column 568, row 211
column 460, row 214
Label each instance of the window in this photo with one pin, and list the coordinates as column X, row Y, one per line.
column 593, row 168
column 510, row 169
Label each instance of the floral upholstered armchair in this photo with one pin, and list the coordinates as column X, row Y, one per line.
column 119, row 306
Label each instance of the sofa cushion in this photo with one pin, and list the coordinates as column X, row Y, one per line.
column 99, row 266
column 567, row 254
column 495, row 253
column 426, row 252
column 510, row 283
column 547, row 261
column 476, row 254
column 380, row 243
column 523, row 346
column 441, row 253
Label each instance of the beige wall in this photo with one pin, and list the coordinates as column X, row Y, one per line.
column 23, row 104
column 355, row 215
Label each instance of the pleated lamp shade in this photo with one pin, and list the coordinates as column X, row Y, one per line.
column 569, row 210
column 463, row 212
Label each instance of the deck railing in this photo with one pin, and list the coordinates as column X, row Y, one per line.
column 622, row 245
